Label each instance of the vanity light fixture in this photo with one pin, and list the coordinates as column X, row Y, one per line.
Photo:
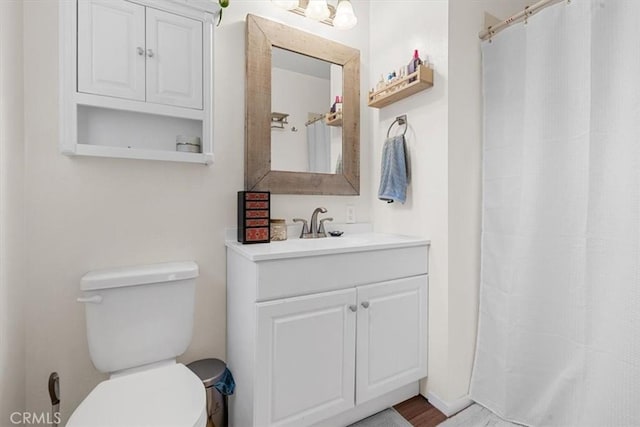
column 318, row 10
column 340, row 16
column 345, row 19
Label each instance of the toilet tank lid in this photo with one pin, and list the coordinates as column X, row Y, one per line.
column 138, row 275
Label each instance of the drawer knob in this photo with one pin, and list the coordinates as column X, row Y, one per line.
column 365, row 304
column 353, row 308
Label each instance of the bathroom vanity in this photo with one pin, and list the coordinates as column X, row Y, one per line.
column 325, row 331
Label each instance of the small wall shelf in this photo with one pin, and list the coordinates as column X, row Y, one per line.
column 402, row 88
column 333, row 119
column 142, row 154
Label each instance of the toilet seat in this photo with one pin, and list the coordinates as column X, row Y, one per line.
column 170, row 396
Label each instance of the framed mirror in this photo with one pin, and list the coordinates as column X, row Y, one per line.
column 299, row 140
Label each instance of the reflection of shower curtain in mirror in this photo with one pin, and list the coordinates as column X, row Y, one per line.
column 319, row 145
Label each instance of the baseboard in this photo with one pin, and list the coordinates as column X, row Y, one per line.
column 449, row 408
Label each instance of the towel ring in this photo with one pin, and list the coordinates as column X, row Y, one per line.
column 401, row 120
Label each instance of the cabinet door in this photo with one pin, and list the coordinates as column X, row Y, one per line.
column 305, row 358
column 174, row 59
column 111, row 43
column 392, row 336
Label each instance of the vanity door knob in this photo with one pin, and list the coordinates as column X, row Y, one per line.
column 353, row 308
column 150, row 53
column 140, row 51
column 365, row 304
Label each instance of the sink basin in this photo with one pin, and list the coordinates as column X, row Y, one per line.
column 295, row 248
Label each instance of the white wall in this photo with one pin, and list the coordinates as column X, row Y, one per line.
column 12, row 225
column 424, row 27
column 88, row 213
column 444, row 142
column 466, row 19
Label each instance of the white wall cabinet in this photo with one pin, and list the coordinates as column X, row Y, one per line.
column 174, row 59
column 134, row 76
column 111, row 43
column 130, row 51
column 343, row 346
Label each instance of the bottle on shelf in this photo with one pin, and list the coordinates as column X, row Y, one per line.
column 333, row 107
column 402, row 73
column 338, row 104
column 414, row 64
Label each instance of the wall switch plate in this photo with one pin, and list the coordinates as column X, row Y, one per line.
column 351, row 214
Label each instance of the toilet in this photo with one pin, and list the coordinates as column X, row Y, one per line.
column 139, row 319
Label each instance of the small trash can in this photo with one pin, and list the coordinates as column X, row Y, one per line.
column 212, row 372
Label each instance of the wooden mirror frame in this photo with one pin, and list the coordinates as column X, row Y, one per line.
column 262, row 35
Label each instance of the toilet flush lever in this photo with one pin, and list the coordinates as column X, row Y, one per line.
column 96, row 299
column 54, row 394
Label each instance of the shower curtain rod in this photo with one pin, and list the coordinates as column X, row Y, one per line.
column 315, row 119
column 527, row 12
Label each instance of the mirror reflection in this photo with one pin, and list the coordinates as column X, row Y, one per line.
column 306, row 118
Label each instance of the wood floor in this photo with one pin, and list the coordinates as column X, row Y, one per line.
column 419, row 412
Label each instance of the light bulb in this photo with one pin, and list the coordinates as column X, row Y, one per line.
column 317, row 9
column 286, row 4
column 345, row 19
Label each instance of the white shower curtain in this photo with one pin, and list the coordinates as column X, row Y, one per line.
column 319, row 145
column 559, row 327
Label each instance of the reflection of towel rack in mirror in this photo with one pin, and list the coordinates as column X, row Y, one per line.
column 278, row 120
column 401, row 120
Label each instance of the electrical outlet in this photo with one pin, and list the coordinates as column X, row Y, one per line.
column 351, row 214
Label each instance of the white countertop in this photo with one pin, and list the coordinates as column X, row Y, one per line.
column 348, row 242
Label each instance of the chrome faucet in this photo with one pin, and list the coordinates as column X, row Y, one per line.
column 316, row 231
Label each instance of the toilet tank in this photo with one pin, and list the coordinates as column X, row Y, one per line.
column 139, row 315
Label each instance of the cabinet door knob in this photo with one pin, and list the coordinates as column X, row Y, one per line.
column 150, row 53
column 353, row 308
column 365, row 304
column 140, row 51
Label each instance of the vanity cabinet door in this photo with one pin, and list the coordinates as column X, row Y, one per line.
column 305, row 358
column 174, row 59
column 111, row 43
column 391, row 337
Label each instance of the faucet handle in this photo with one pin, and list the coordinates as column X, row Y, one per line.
column 321, row 230
column 305, row 226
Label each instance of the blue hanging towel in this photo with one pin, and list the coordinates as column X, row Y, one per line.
column 226, row 385
column 393, row 175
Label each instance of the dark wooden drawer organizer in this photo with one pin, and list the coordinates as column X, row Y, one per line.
column 254, row 212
